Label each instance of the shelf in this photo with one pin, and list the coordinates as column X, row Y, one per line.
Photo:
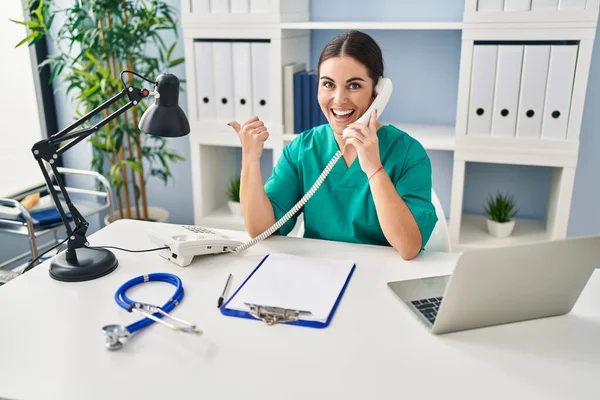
column 516, row 150
column 432, row 137
column 372, row 25
column 226, row 139
column 222, row 218
column 474, row 233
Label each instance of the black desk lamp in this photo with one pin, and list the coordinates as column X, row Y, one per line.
column 163, row 118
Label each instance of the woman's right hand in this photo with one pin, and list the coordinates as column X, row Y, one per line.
column 253, row 134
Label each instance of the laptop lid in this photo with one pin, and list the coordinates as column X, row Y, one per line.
column 516, row 283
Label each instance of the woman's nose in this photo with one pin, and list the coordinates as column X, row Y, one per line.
column 339, row 97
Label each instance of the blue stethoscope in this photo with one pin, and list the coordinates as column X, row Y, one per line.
column 114, row 334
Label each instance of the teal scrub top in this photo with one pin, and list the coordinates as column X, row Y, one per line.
column 342, row 209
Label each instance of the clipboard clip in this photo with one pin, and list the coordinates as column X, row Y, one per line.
column 274, row 315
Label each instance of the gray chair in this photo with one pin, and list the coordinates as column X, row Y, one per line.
column 88, row 202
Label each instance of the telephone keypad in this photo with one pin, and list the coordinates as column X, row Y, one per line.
column 198, row 229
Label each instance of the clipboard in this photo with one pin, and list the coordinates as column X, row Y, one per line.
column 275, row 314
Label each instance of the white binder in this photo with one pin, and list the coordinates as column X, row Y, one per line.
column 517, row 5
column 544, row 4
column 533, row 91
column 571, row 4
column 200, row 6
column 490, row 5
column 559, row 88
column 261, row 101
column 482, row 89
column 205, row 92
column 242, row 81
column 223, row 72
column 260, row 6
column 506, row 91
column 219, row 6
column 240, row 6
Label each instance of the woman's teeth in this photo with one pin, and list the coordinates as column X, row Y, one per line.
column 342, row 113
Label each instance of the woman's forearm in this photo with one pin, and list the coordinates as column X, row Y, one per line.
column 256, row 206
column 396, row 220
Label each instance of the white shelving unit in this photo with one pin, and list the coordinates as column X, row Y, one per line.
column 432, row 137
column 285, row 25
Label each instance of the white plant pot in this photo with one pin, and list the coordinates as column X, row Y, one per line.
column 500, row 229
column 235, row 208
column 155, row 214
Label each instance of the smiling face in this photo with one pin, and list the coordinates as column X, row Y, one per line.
column 345, row 91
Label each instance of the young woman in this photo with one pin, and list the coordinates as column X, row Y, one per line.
column 378, row 193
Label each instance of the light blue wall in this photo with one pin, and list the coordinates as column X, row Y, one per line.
column 424, row 66
column 386, row 10
column 585, row 206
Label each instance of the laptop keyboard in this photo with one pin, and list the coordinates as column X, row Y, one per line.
column 428, row 307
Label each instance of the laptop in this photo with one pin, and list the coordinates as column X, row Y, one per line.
column 502, row 285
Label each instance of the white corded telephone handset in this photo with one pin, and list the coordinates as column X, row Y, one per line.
column 188, row 241
column 383, row 91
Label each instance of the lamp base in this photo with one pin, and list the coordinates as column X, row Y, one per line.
column 86, row 264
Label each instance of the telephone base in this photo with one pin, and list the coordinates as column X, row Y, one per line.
column 174, row 258
column 184, row 242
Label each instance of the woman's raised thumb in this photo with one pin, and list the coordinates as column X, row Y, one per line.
column 234, row 125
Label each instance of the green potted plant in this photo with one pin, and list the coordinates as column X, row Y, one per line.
column 233, row 194
column 500, row 211
column 95, row 40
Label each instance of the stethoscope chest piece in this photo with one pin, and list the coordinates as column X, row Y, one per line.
column 113, row 335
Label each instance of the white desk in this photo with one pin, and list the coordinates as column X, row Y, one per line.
column 52, row 346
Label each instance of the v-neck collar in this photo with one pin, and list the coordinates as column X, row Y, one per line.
column 343, row 176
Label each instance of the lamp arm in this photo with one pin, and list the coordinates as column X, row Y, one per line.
column 82, row 134
column 48, row 150
column 134, row 94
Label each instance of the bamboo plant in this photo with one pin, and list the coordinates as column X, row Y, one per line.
column 97, row 40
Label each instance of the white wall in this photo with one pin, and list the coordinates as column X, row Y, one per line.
column 21, row 124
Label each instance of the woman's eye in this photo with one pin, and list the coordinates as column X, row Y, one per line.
column 354, row 85
column 328, row 85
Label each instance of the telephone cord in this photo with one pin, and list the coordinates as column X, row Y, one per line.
column 294, row 209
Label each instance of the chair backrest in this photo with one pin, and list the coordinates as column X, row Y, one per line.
column 298, row 230
column 440, row 237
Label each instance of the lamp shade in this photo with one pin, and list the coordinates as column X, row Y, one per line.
column 165, row 117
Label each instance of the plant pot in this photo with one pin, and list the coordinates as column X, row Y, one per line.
column 155, row 214
column 235, row 208
column 500, row 229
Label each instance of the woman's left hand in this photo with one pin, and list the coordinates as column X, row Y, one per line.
column 364, row 139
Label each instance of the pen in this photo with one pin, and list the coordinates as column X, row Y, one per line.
column 220, row 302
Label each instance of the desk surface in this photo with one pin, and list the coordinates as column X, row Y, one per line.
column 52, row 346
